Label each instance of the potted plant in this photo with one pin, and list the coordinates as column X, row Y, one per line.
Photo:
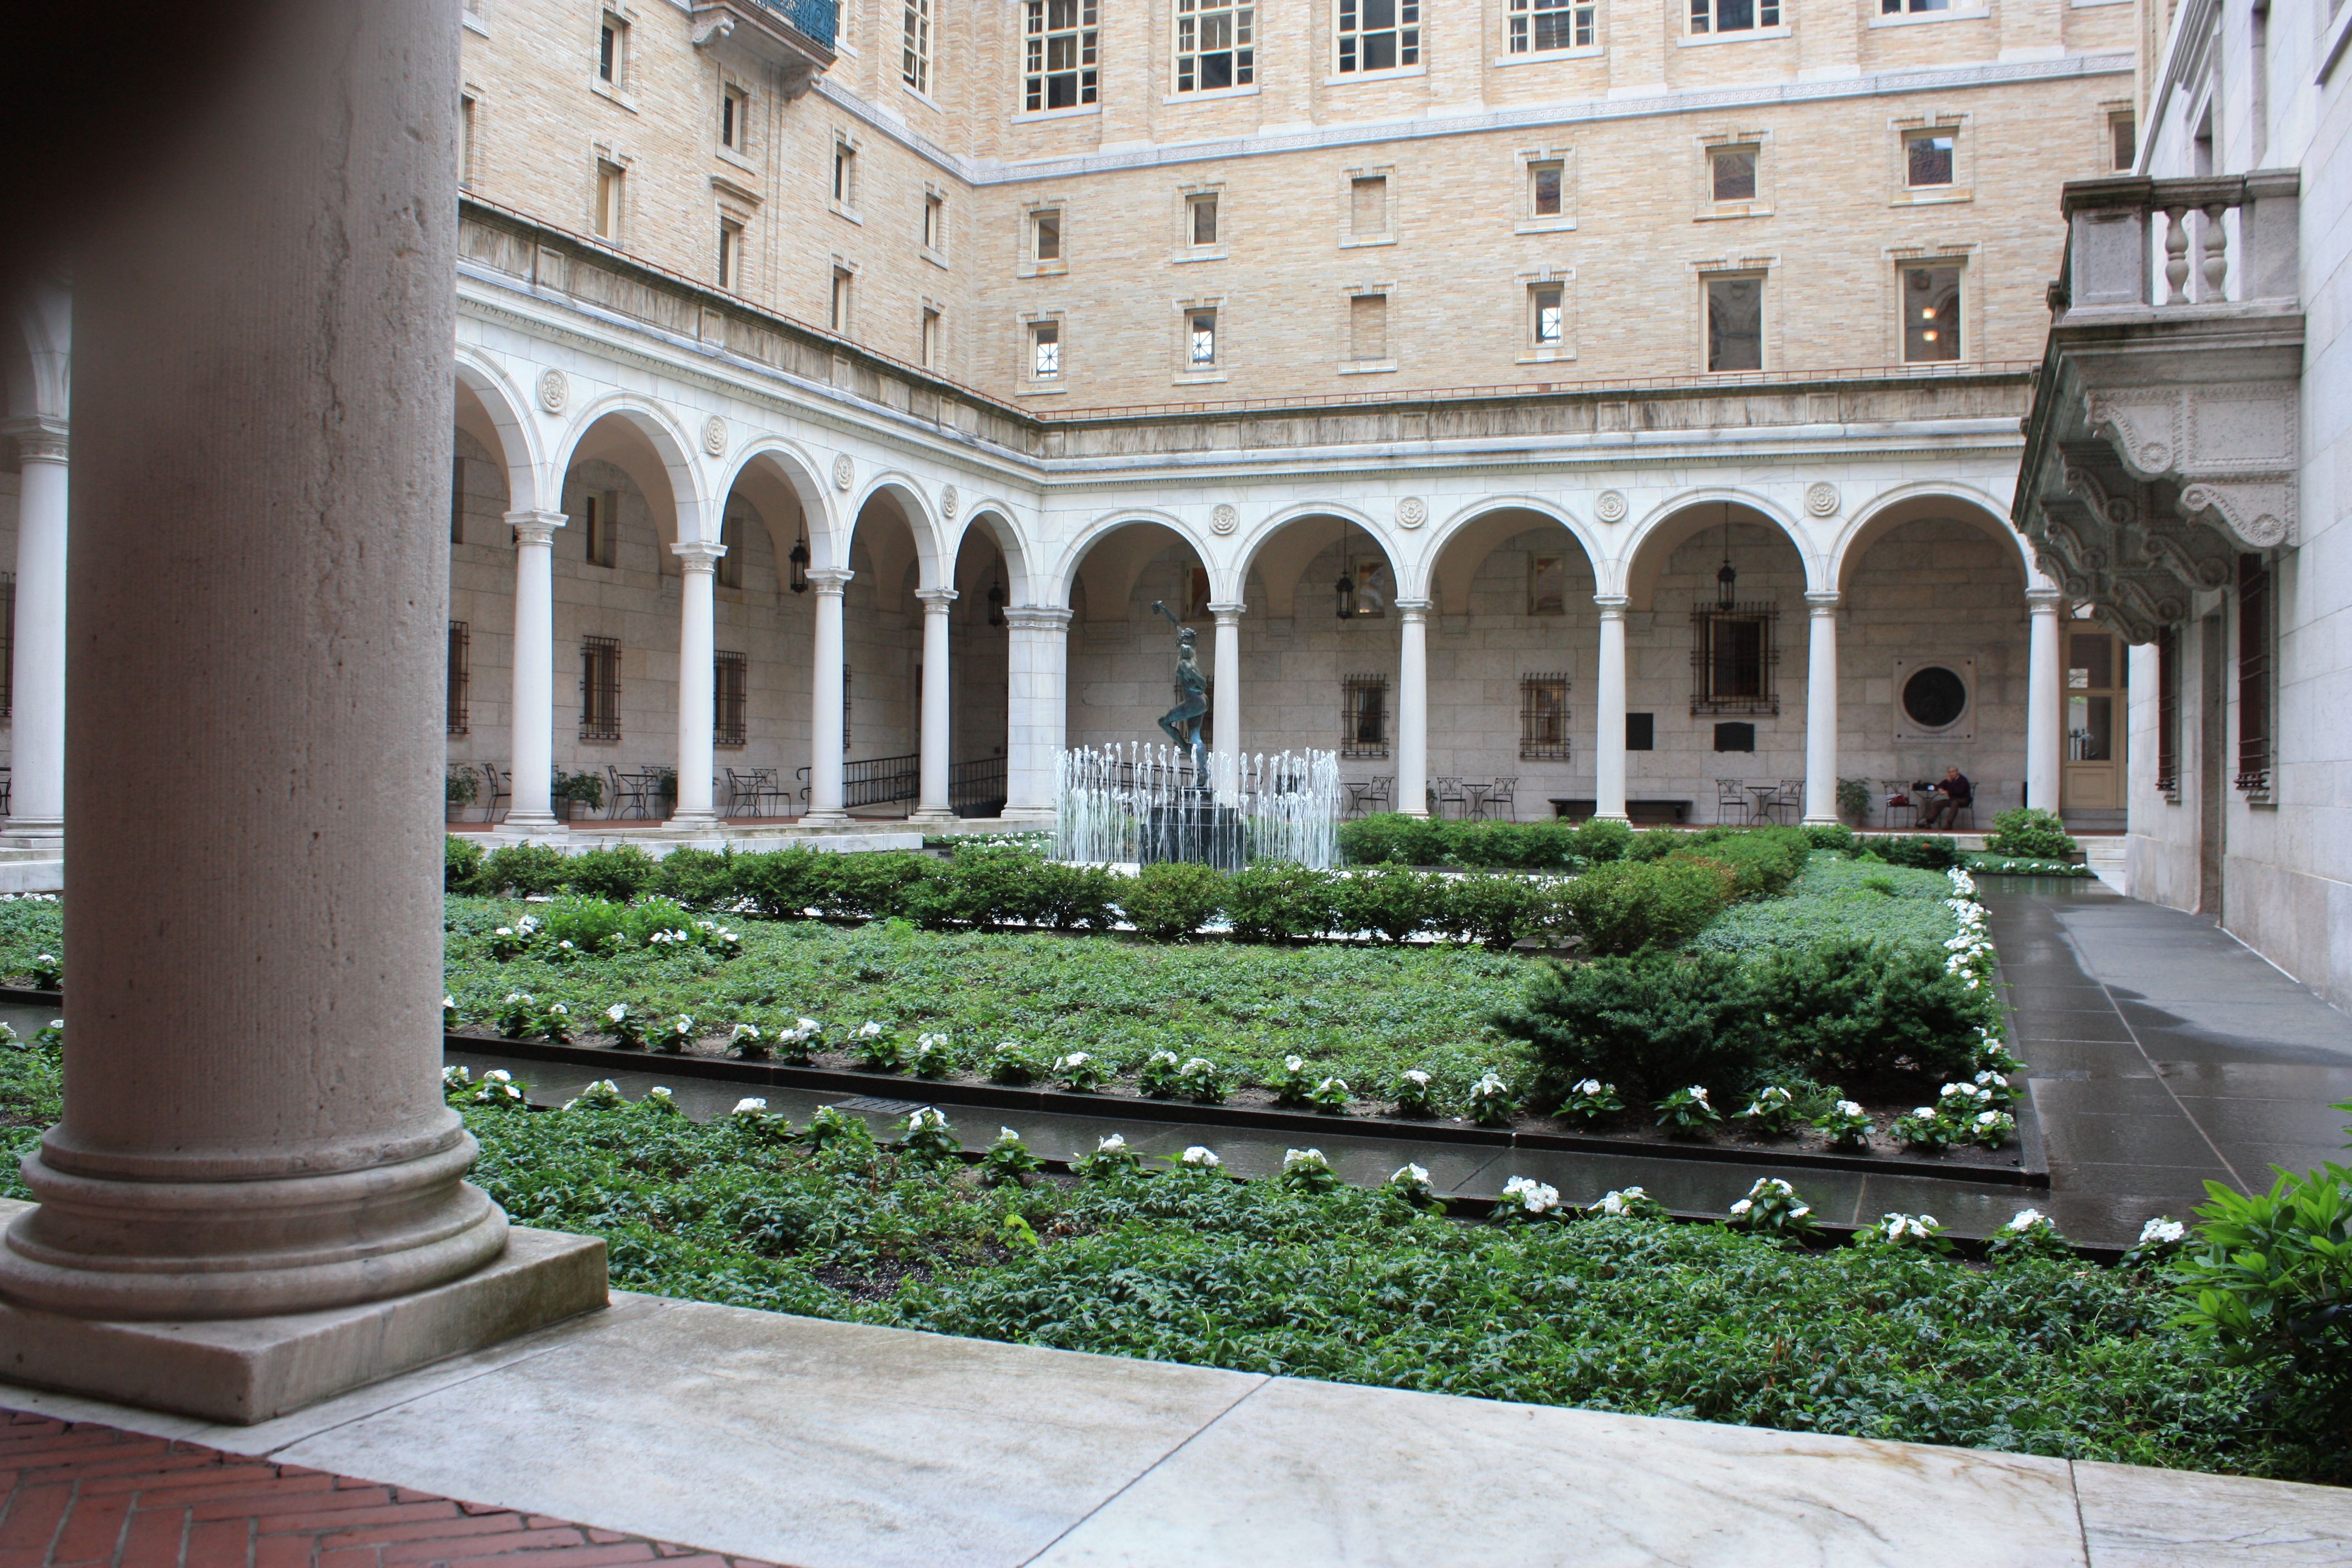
column 1853, row 798
column 464, row 786
column 666, row 783
column 576, row 790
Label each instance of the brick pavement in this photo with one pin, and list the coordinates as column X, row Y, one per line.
column 77, row 1493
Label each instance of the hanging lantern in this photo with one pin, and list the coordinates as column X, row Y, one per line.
column 1347, row 584
column 996, row 604
column 1726, row 580
column 800, row 560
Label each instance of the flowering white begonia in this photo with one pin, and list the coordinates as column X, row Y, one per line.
column 749, row 1105
column 1202, row 1158
column 1534, row 1197
column 1113, row 1144
column 2026, row 1219
column 2162, row 1231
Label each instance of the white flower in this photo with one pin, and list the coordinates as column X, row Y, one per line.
column 1200, row 1158
column 2025, row 1220
column 749, row 1105
column 1197, row 1065
column 497, row 1075
column 1848, row 1108
column 1113, row 1144
column 1534, row 1197
column 807, row 1028
column 657, row 1095
column 1163, row 1056
column 746, row 1032
column 1006, row 1135
column 1075, row 1059
column 448, row 1004
column 618, row 1012
column 1590, row 1086
column 1742, row 1206
column 925, row 1042
column 1414, row 1074
column 1332, row 1085
column 1413, row 1174
column 1303, row 1157
column 1294, row 1064
column 870, row 1030
column 456, row 1074
column 1697, row 1091
column 1800, row 1211
column 926, row 1116
column 2162, row 1231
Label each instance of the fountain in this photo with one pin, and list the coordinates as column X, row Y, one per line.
column 1143, row 802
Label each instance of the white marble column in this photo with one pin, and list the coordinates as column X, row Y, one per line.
column 1037, row 655
column 37, row 801
column 532, row 750
column 933, row 803
column 254, row 1122
column 2043, row 695
column 1821, row 710
column 825, row 809
column 698, row 715
column 1609, row 713
column 1413, row 707
column 1225, row 677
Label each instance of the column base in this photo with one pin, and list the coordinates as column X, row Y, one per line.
column 695, row 822
column 933, row 816
column 41, row 829
column 1026, row 816
column 1414, row 811
column 1819, row 822
column 824, row 819
column 245, row 1370
column 528, row 822
column 1612, row 817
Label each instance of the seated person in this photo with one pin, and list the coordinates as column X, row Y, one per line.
column 1944, row 804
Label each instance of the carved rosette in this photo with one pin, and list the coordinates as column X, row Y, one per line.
column 714, row 436
column 844, row 472
column 554, row 390
column 1610, row 506
column 949, row 501
column 1223, row 520
column 1821, row 498
column 1411, row 513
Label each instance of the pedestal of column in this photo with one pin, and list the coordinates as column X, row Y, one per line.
column 698, row 714
column 934, row 806
column 1413, row 707
column 1609, row 713
column 2042, row 697
column 1822, row 711
column 532, row 752
column 825, row 715
column 1037, row 711
column 255, row 1197
column 36, row 799
column 1226, row 699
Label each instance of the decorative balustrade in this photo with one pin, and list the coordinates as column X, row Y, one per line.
column 2138, row 243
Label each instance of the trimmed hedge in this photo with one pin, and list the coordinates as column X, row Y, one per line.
column 1395, row 839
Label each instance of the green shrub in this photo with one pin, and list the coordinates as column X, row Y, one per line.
column 871, row 884
column 1174, row 899
column 1621, row 908
column 1497, row 910
column 783, row 884
column 1920, row 853
column 699, row 878
column 1832, row 835
column 461, row 862
column 982, row 885
column 1597, row 842
column 1394, row 901
column 1763, row 860
column 1862, row 898
column 1515, row 846
column 620, row 872
column 523, row 869
column 1842, row 1007
column 1393, row 838
column 2032, row 834
column 1077, row 898
column 1278, row 902
column 1649, row 1023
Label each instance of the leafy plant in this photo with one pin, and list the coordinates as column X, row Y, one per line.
column 1773, row 1113
column 1161, row 1076
column 461, row 863
column 1080, row 1072
column 1924, row 1131
column 926, row 1138
column 1647, row 1023
column 877, row 1047
column 1842, row 1006
column 1294, row 1084
column 1496, row 911
column 1525, row 1198
column 1687, row 1112
column 1913, row 1232
column 1848, row 1126
column 1395, row 901
column 523, row 869
column 1621, row 909
column 696, row 879
column 620, row 872
column 1491, row 1100
column 933, row 1056
column 1331, row 1096
column 1411, row 1093
column 1171, row 899
column 1589, row 1099
column 463, row 785
column 1278, row 902
column 845, row 1139
column 1007, row 1161
column 1111, row 1160
column 1626, row 1203
column 681, row 1033
column 1010, row 1062
column 1855, row 797
column 1773, row 1208
column 1204, row 1081
column 2030, row 832
column 747, row 1041
column 2030, row 1233
column 1307, row 1171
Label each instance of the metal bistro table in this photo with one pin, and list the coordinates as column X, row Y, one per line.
column 1768, row 795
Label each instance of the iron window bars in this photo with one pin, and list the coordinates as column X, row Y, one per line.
column 1543, row 718
column 600, row 688
column 1734, row 653
column 1364, row 716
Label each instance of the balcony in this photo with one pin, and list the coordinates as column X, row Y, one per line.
column 796, row 35
column 2163, row 439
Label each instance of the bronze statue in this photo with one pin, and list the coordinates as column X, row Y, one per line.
column 1183, row 722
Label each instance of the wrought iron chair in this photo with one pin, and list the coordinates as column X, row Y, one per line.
column 496, row 787
column 1451, row 793
column 629, row 792
column 1902, row 809
column 1730, row 795
column 1504, row 793
column 1789, row 805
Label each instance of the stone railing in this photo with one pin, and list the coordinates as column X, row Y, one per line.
column 2142, row 244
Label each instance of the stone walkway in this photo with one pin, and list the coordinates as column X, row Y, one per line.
column 839, row 1446
column 2161, row 1054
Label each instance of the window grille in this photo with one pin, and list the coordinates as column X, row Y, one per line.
column 2168, row 712
column 1215, row 45
column 8, row 645
column 461, row 674
column 1061, row 66
column 730, row 691
column 1045, row 350
column 600, row 688
column 2256, row 642
column 1378, row 35
column 847, row 707
column 1364, row 716
column 1543, row 718
column 1538, row 27
column 1734, row 655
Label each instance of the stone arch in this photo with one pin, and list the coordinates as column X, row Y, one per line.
column 906, row 497
column 497, row 418
column 1281, row 548
column 772, row 470
column 1675, row 523
column 1478, row 529
column 658, row 431
column 1925, row 502
column 39, row 378
column 997, row 520
column 1057, row 592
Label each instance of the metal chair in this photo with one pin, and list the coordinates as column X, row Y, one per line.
column 741, row 788
column 1789, row 805
column 628, row 793
column 1730, row 795
column 1504, row 793
column 496, row 787
column 1451, row 793
column 1898, row 799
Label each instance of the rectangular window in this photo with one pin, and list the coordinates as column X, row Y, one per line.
column 928, row 349
column 609, row 181
column 844, row 175
column 2168, row 712
column 611, row 50
column 731, row 254
column 915, row 46
column 1543, row 718
column 458, row 500
column 1733, row 16
column 2257, row 639
column 1045, row 350
column 1544, row 194
column 1547, row 314
column 839, row 309
column 1378, row 35
column 1364, row 716
column 1927, row 159
column 730, row 699
column 460, row 675
column 1731, row 173
column 734, row 117
column 1200, row 340
column 730, row 565
column 1368, row 327
column 600, row 529
column 7, row 644
column 1367, row 204
column 1045, row 235
column 1215, row 47
column 935, row 221
column 1732, row 659
column 466, row 112
column 1540, row 27
column 2123, row 142
column 1931, row 314
column 1734, row 323
column 1204, row 219
column 600, row 688
column 1062, row 61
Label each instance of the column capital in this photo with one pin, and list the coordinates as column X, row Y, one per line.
column 39, row 439
column 698, row 554
column 1612, row 606
column 1037, row 618
column 535, row 527
column 1413, row 609
column 1228, row 615
column 1823, row 600
column 829, row 581
column 2043, row 601
column 935, row 600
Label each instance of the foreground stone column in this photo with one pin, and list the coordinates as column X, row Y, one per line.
column 696, row 712
column 532, row 749
column 1822, row 711
column 36, row 800
column 932, row 802
column 2042, row 697
column 1413, row 707
column 254, row 1123
column 1225, row 698
column 825, row 709
column 1037, row 655
column 1609, row 713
